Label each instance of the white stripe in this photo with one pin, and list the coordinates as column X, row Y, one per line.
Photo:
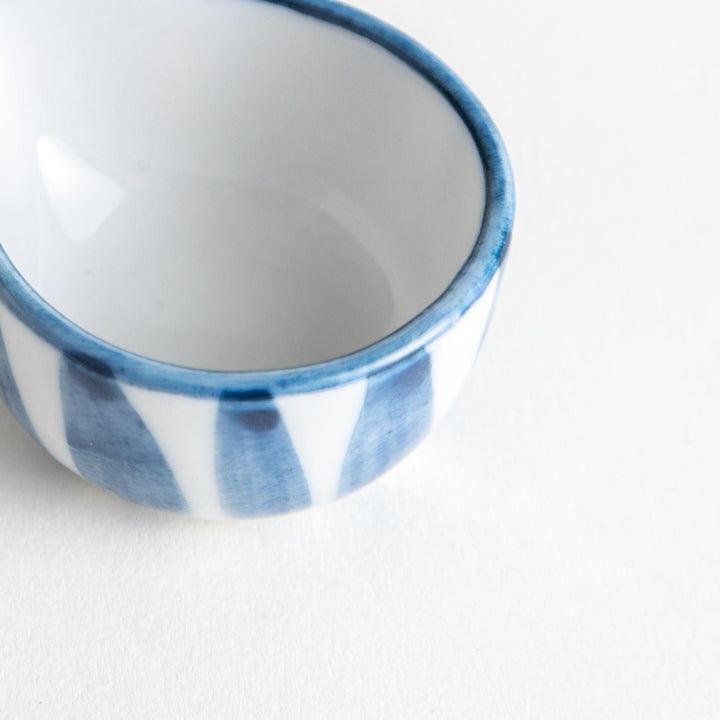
column 184, row 429
column 321, row 425
column 453, row 354
column 35, row 366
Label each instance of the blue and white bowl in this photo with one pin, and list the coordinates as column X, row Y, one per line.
column 249, row 249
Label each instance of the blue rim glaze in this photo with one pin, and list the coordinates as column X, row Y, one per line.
column 466, row 287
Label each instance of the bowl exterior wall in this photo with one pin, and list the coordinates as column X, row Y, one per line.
column 238, row 453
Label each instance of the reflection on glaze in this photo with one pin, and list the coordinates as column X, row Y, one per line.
column 81, row 197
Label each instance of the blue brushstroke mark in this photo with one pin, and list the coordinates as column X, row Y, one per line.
column 10, row 392
column 257, row 468
column 109, row 442
column 396, row 416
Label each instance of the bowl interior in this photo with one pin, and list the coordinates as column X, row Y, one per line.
column 226, row 184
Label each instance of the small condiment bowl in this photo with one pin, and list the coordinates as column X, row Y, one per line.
column 248, row 250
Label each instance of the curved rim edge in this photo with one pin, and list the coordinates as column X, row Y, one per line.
column 465, row 288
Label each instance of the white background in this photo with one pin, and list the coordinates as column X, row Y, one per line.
column 553, row 550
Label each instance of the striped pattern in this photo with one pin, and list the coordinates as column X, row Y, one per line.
column 236, row 455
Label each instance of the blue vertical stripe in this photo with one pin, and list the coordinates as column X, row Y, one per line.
column 257, row 468
column 396, row 416
column 109, row 441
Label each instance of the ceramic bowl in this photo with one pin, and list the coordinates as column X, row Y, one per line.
column 248, row 248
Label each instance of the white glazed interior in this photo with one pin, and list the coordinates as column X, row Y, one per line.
column 226, row 184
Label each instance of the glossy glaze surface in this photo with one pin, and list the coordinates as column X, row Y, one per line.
column 279, row 193
column 421, row 223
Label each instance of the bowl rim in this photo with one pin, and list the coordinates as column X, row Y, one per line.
column 464, row 290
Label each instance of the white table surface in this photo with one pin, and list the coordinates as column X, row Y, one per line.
column 553, row 550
